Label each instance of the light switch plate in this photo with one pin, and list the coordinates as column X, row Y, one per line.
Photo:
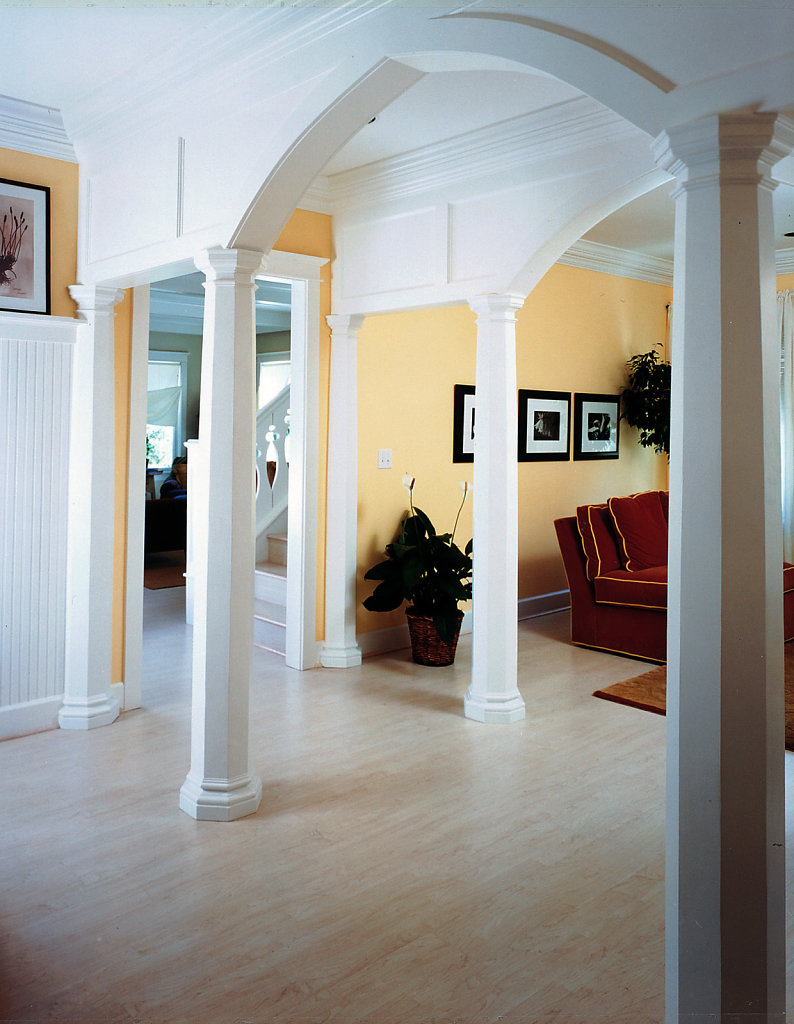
column 384, row 458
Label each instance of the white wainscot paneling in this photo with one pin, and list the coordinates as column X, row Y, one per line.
column 134, row 203
column 491, row 236
column 391, row 254
column 35, row 387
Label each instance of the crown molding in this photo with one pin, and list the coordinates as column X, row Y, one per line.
column 31, row 128
column 607, row 259
column 559, row 130
column 245, row 43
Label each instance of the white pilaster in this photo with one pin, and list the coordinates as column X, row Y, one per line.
column 340, row 649
column 725, row 824
column 493, row 694
column 87, row 702
column 219, row 785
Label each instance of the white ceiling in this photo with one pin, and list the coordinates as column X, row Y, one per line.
column 106, row 45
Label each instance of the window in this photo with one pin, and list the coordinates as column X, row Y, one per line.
column 166, row 407
column 272, row 376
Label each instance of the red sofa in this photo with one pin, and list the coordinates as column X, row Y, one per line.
column 615, row 558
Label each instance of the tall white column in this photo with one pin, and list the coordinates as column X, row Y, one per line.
column 219, row 785
column 725, row 824
column 340, row 649
column 493, row 694
column 87, row 702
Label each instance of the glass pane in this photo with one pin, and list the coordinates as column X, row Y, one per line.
column 164, row 375
column 273, row 377
column 159, row 446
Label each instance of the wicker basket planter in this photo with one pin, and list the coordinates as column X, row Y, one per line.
column 426, row 645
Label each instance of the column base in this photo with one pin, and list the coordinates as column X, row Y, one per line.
column 494, row 708
column 340, row 657
column 90, row 714
column 218, row 800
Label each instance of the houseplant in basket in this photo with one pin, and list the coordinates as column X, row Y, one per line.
column 430, row 571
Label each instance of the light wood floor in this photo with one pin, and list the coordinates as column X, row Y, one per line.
column 407, row 866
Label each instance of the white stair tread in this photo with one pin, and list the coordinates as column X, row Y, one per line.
column 267, row 611
column 273, row 568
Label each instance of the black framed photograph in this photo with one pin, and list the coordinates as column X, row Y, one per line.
column 24, row 247
column 544, row 426
column 596, row 426
column 463, row 424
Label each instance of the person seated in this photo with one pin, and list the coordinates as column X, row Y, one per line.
column 175, row 484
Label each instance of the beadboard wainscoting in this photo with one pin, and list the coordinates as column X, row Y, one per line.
column 36, row 356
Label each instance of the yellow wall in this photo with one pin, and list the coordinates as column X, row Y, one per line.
column 122, row 354
column 575, row 333
column 310, row 234
column 62, row 179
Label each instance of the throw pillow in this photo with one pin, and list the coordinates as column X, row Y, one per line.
column 641, row 527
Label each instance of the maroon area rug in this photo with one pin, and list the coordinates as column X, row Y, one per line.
column 164, row 569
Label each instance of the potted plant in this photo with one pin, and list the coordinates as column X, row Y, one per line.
column 646, row 400
column 430, row 571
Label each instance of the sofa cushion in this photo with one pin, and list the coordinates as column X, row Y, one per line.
column 641, row 527
column 643, row 588
column 598, row 539
column 664, row 497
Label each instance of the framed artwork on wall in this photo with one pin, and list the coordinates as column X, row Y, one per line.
column 463, row 424
column 24, row 247
column 544, row 426
column 596, row 426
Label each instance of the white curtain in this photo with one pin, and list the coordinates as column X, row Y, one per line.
column 162, row 408
column 785, row 324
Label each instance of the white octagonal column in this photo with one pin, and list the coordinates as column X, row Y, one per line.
column 493, row 694
column 725, row 827
column 220, row 786
column 340, row 649
column 89, row 573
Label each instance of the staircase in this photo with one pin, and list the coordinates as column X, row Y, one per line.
column 270, row 576
column 270, row 596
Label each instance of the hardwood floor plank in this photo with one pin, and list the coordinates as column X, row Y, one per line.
column 406, row 865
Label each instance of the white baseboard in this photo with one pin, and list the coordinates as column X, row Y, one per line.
column 396, row 638
column 544, row 604
column 117, row 691
column 32, row 716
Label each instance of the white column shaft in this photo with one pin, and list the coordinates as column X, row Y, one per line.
column 340, row 649
column 725, row 831
column 219, row 785
column 89, row 608
column 493, row 695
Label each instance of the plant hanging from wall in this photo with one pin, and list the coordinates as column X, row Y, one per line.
column 646, row 400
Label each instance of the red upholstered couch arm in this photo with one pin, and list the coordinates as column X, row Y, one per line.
column 583, row 606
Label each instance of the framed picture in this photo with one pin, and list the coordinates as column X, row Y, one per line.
column 24, row 247
column 544, row 426
column 463, row 424
column 595, row 426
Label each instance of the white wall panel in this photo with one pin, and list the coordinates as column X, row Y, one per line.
column 35, row 384
column 396, row 253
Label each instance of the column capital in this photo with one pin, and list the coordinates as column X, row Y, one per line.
column 345, row 323
column 235, row 265
column 497, row 306
column 94, row 298
column 725, row 148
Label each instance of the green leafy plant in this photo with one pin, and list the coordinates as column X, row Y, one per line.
column 425, row 568
column 646, row 400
